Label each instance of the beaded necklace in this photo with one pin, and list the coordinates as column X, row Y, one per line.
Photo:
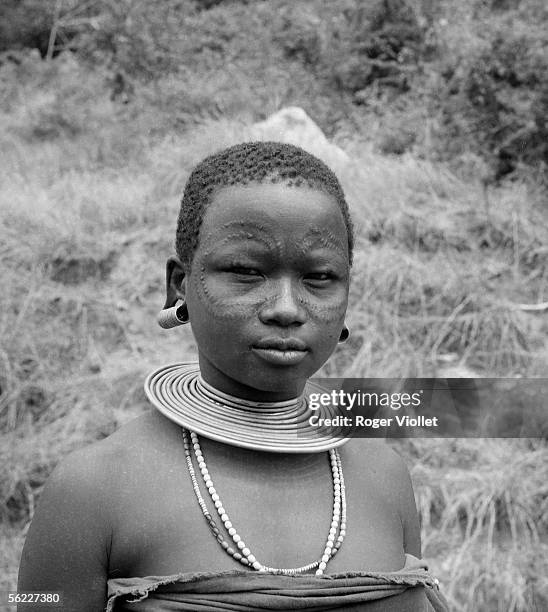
column 242, row 553
column 180, row 393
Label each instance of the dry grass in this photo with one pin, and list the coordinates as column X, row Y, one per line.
column 87, row 218
column 484, row 519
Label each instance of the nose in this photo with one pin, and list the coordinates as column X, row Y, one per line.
column 284, row 307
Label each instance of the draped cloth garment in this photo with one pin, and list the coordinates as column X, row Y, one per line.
column 410, row 589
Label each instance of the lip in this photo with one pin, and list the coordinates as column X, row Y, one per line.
column 281, row 351
column 279, row 356
column 281, row 344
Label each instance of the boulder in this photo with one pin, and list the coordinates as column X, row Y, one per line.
column 294, row 126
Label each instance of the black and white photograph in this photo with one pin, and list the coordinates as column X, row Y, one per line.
column 274, row 318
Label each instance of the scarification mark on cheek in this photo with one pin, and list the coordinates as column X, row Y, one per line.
column 202, row 281
column 325, row 311
column 214, row 297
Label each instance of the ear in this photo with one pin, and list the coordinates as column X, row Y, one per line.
column 175, row 281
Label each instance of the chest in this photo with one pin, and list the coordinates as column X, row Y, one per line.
column 283, row 518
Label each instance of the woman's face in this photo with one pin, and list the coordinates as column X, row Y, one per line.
column 268, row 288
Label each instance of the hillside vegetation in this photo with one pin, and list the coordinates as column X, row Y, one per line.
column 442, row 110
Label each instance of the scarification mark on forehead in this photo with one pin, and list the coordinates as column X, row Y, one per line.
column 245, row 231
column 244, row 225
column 323, row 237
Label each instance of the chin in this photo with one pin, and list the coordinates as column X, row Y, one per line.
column 280, row 381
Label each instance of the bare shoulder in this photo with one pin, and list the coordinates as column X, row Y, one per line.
column 150, row 440
column 377, row 458
column 67, row 547
column 86, row 480
column 141, row 440
column 96, row 467
column 70, row 540
column 379, row 470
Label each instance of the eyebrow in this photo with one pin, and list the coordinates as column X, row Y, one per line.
column 243, row 225
column 240, row 227
column 231, row 244
column 322, row 237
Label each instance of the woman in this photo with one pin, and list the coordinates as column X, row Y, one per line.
column 223, row 498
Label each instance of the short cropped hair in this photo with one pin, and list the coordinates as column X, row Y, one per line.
column 251, row 162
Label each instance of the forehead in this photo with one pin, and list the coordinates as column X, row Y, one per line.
column 275, row 208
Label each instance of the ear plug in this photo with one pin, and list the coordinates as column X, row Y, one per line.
column 345, row 333
column 173, row 317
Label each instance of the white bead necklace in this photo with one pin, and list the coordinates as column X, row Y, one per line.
column 241, row 551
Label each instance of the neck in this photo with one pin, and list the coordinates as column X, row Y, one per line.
column 281, row 427
column 219, row 382
column 223, row 398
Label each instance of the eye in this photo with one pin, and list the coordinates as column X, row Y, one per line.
column 244, row 271
column 319, row 279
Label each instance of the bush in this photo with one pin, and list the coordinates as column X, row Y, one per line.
column 491, row 93
column 26, row 24
column 448, row 79
column 351, row 44
column 30, row 24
